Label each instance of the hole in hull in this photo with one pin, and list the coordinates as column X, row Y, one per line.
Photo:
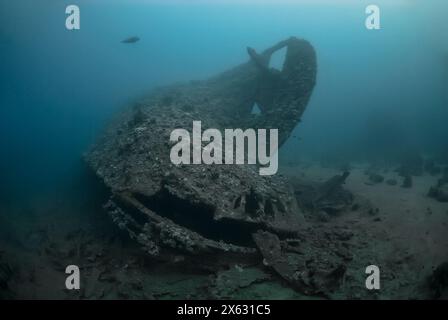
column 255, row 109
column 278, row 59
column 198, row 217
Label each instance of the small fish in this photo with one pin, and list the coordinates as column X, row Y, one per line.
column 130, row 40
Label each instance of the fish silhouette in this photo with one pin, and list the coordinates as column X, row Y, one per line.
column 130, row 40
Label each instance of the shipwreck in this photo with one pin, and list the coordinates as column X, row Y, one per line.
column 218, row 214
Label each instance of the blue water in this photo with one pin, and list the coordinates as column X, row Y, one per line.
column 60, row 87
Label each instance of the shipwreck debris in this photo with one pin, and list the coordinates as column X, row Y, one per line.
column 438, row 281
column 440, row 190
column 328, row 197
column 6, row 274
column 302, row 263
column 407, row 181
column 376, row 178
column 432, row 168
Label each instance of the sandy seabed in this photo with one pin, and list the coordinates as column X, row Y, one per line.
column 406, row 236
